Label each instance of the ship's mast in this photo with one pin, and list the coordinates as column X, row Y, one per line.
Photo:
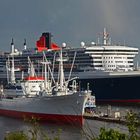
column 46, row 71
column 13, row 71
column 13, row 66
column 12, row 47
column 31, row 70
column 46, row 64
column 61, row 71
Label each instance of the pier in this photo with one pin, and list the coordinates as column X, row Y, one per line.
column 112, row 114
column 105, row 119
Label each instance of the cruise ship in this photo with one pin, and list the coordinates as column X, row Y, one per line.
column 105, row 68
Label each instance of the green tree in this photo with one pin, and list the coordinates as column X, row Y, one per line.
column 111, row 134
column 133, row 123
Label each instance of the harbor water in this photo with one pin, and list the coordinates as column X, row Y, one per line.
column 67, row 132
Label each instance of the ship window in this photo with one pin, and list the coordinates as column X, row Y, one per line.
column 97, row 61
column 129, row 57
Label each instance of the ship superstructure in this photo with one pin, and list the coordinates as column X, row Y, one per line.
column 109, row 57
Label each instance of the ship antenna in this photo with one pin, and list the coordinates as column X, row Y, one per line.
column 12, row 43
column 25, row 47
column 110, row 41
column 98, row 40
column 105, row 37
column 12, row 46
column 124, row 42
column 87, row 86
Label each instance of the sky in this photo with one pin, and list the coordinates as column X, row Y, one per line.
column 70, row 21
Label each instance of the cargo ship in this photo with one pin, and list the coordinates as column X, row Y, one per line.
column 109, row 69
column 56, row 103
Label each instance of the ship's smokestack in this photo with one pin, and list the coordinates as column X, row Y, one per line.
column 47, row 37
column 45, row 43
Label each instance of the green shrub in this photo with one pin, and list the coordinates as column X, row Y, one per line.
column 18, row 135
column 111, row 134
